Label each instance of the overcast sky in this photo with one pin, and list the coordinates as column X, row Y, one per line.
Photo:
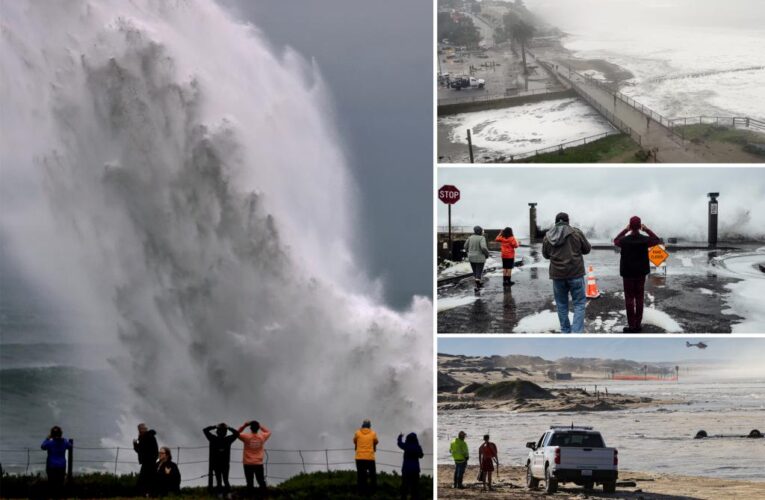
column 645, row 349
column 376, row 59
column 672, row 201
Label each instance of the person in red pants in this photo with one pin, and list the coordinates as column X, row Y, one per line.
column 633, row 268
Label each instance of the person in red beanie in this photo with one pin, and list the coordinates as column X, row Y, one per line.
column 633, row 268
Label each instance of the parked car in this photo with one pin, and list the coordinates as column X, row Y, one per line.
column 569, row 454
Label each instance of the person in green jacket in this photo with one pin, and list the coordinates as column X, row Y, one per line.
column 459, row 451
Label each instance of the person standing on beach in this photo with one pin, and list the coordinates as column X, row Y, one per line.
column 365, row 443
column 410, row 469
column 459, row 451
column 487, row 456
column 633, row 268
column 564, row 246
column 253, row 453
column 55, row 463
column 220, row 453
column 477, row 252
column 508, row 244
column 145, row 445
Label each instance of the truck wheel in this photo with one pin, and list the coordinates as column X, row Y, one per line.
column 551, row 484
column 531, row 482
column 589, row 486
column 609, row 486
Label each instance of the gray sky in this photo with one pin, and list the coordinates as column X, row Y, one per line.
column 672, row 201
column 376, row 59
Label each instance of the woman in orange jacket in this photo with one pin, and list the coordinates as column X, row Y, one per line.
column 509, row 244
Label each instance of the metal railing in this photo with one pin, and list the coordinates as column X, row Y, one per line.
column 498, row 97
column 193, row 461
column 563, row 146
column 722, row 121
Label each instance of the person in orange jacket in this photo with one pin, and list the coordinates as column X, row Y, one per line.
column 365, row 443
column 253, row 453
column 509, row 244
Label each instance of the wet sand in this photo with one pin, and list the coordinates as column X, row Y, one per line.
column 648, row 486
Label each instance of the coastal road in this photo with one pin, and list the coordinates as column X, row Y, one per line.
column 692, row 297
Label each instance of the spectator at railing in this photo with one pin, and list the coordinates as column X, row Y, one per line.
column 55, row 464
column 167, row 477
column 220, row 453
column 145, row 445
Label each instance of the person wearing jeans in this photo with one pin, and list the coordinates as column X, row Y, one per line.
column 633, row 268
column 564, row 246
column 460, row 454
column 477, row 251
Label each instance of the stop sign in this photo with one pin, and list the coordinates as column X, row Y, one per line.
column 449, row 194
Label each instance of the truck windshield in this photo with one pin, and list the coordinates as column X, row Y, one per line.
column 577, row 440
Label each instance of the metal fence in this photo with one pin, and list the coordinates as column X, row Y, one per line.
column 498, row 97
column 192, row 461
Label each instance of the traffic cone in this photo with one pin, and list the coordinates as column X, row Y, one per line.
column 592, row 287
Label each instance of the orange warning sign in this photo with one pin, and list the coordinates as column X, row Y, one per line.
column 657, row 255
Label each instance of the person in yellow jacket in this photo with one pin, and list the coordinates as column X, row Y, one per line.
column 365, row 443
column 459, row 451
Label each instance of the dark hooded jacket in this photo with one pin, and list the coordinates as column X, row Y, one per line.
column 412, row 454
column 220, row 446
column 564, row 246
column 634, row 258
column 146, row 448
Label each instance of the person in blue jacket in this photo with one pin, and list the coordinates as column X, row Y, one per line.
column 410, row 469
column 55, row 465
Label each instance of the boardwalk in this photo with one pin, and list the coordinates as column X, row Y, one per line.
column 647, row 127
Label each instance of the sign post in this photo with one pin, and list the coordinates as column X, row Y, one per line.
column 450, row 195
column 470, row 145
column 658, row 255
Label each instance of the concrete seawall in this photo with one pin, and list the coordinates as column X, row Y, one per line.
column 504, row 102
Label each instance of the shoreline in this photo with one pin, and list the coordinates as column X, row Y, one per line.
column 631, row 484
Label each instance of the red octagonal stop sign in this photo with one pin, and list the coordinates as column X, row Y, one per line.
column 449, row 194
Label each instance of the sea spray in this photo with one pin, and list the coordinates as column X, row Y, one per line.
column 165, row 173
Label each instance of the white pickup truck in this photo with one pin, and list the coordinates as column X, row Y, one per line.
column 568, row 454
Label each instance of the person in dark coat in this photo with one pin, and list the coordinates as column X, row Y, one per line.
column 410, row 469
column 220, row 453
column 633, row 268
column 55, row 464
column 148, row 451
column 167, row 477
column 565, row 247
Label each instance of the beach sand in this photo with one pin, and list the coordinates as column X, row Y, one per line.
column 648, row 486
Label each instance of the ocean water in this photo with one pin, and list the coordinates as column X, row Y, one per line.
column 164, row 251
column 660, row 41
column 655, row 439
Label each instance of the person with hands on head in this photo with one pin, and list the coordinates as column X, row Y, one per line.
column 634, row 266
column 253, row 453
column 508, row 244
column 145, row 445
column 487, row 456
column 410, row 469
column 220, row 453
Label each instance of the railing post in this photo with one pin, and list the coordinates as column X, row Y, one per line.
column 178, row 455
column 70, row 460
column 326, row 459
column 116, row 459
column 27, row 470
column 302, row 460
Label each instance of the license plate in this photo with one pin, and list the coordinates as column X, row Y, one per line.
column 587, row 473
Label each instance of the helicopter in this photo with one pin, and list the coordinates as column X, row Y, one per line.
column 700, row 345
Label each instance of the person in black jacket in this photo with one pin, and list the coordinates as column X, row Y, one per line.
column 146, row 448
column 167, row 477
column 634, row 267
column 410, row 469
column 220, row 453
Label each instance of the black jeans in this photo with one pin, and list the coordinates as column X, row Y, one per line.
column 477, row 269
column 410, row 482
column 56, row 476
column 146, row 478
column 366, row 476
column 257, row 470
column 220, row 471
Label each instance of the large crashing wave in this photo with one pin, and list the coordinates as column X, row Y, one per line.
column 166, row 173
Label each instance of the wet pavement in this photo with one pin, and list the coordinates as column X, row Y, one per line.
column 690, row 297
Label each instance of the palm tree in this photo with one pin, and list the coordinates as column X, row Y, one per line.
column 523, row 33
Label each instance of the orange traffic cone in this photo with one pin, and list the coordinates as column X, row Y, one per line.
column 592, row 287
